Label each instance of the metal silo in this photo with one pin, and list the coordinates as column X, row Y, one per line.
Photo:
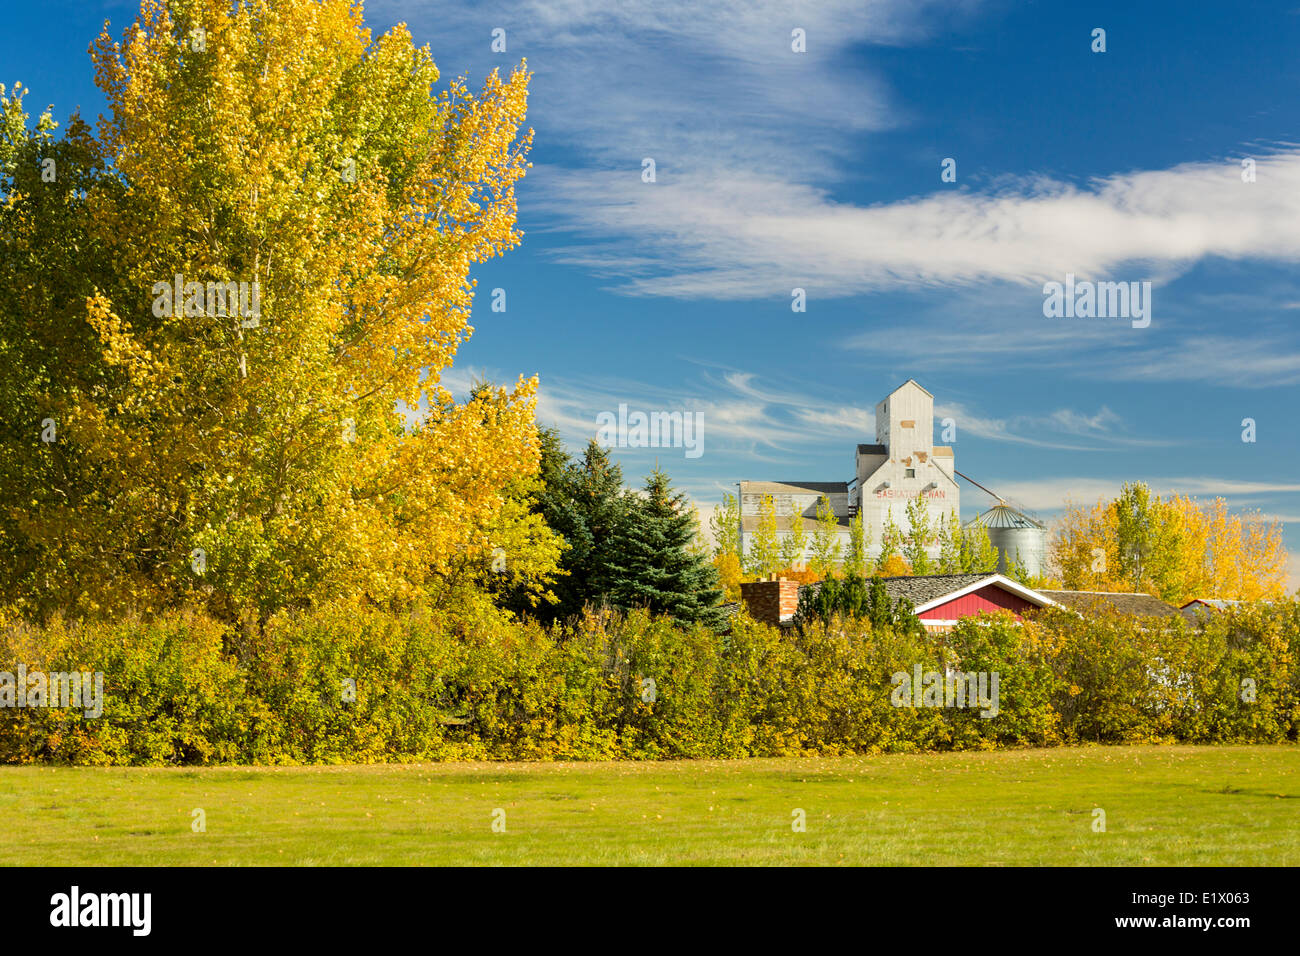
column 1014, row 533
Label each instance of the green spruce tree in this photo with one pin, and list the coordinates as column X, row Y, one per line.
column 586, row 504
column 653, row 564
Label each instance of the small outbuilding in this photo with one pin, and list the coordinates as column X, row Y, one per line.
column 940, row 600
column 1198, row 609
column 1136, row 604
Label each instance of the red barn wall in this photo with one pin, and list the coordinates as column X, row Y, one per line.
column 988, row 598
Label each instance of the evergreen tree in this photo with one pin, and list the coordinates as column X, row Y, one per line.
column 585, row 503
column 555, row 461
column 879, row 610
column 852, row 597
column 652, row 564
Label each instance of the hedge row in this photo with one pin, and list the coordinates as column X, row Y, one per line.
column 354, row 684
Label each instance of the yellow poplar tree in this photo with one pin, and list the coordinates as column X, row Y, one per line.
column 253, row 453
column 1192, row 549
column 890, row 562
column 724, row 525
column 855, row 560
column 794, row 544
column 826, row 540
column 765, row 550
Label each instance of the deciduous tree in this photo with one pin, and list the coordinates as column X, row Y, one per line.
column 826, row 539
column 920, row 535
column 855, row 561
column 891, row 544
column 978, row 555
column 794, row 544
column 254, row 461
column 950, row 540
column 724, row 525
column 1176, row 548
column 765, row 546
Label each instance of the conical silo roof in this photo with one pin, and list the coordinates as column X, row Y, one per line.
column 1004, row 516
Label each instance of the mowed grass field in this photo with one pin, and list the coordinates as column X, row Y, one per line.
column 1163, row 806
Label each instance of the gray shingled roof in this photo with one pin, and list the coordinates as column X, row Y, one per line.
column 1219, row 604
column 787, row 487
column 924, row 588
column 920, row 589
column 1140, row 605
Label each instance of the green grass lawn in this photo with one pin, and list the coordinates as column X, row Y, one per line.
column 1163, row 805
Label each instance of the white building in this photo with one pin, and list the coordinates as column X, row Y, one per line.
column 902, row 465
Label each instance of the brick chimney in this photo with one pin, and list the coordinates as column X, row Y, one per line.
column 772, row 602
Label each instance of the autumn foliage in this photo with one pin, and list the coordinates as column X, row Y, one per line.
column 1176, row 548
column 248, row 465
column 447, row 684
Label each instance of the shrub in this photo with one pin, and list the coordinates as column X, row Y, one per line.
column 354, row 683
column 171, row 695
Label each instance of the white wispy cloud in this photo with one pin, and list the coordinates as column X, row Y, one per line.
column 745, row 418
column 1244, row 359
column 1064, row 428
column 752, row 142
column 748, row 137
column 1047, row 495
column 1000, row 327
column 744, row 234
column 694, row 85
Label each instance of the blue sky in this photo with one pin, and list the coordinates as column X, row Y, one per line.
column 821, row 170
